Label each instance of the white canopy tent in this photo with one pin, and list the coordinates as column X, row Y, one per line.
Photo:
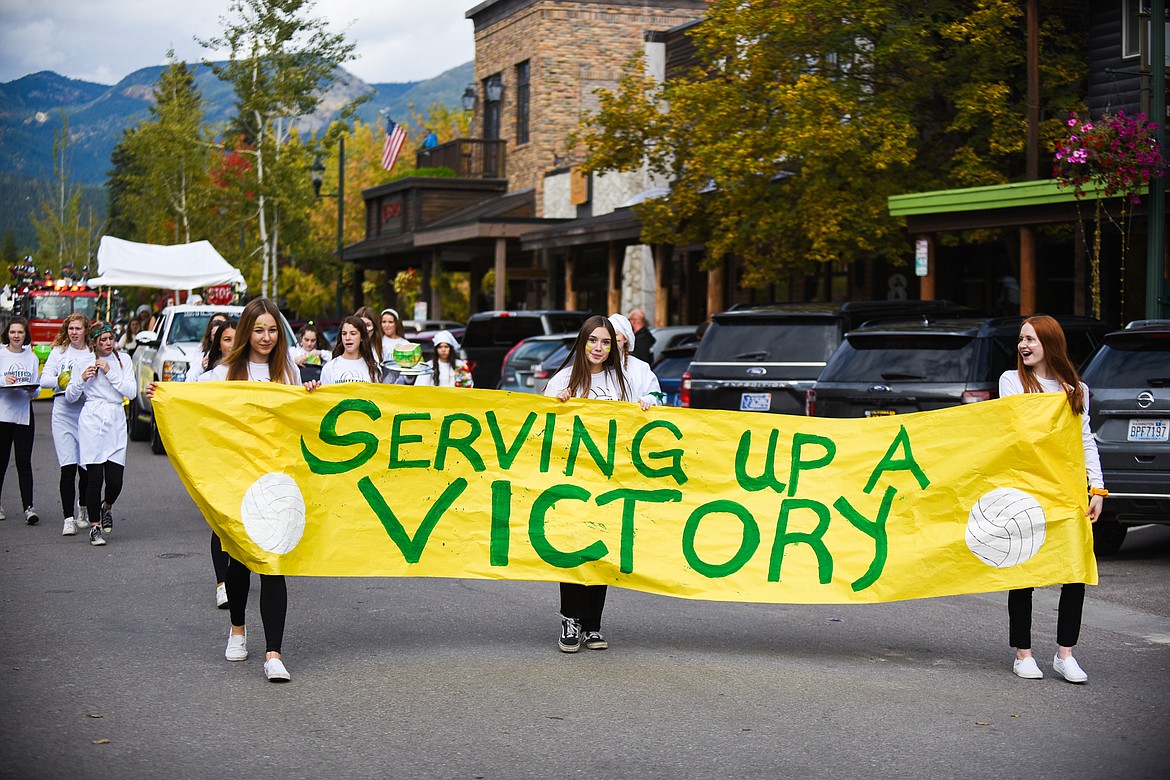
column 179, row 267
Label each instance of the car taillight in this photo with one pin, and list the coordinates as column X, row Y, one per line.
column 684, row 390
column 975, row 396
column 810, row 403
column 540, row 372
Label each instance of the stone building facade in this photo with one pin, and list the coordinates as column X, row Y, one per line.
column 564, row 50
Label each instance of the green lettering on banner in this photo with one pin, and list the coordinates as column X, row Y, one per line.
column 501, row 522
column 463, row 444
column 767, row 478
column 813, row 539
column 540, row 543
column 799, row 464
column 876, row 530
column 581, row 436
column 890, row 463
column 748, row 544
column 550, row 424
column 630, row 497
column 398, row 438
column 675, row 456
column 506, row 456
column 328, row 435
column 411, row 547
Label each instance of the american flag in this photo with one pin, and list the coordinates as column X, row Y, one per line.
column 395, row 138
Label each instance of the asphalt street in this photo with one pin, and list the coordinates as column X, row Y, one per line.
column 111, row 666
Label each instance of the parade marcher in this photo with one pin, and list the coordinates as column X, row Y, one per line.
column 19, row 366
column 592, row 370
column 222, row 339
column 128, row 342
column 307, row 349
column 202, row 365
column 446, row 369
column 260, row 354
column 69, row 349
column 392, row 333
column 643, row 341
column 367, row 315
column 353, row 357
column 1043, row 366
column 104, row 378
column 642, row 378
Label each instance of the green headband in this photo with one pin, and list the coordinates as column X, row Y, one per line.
column 99, row 329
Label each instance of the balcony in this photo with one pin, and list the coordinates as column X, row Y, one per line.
column 470, row 158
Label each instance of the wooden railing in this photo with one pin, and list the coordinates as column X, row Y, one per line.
column 470, row 158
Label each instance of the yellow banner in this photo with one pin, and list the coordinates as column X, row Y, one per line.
column 374, row 480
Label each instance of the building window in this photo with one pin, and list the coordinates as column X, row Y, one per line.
column 1133, row 27
column 522, row 97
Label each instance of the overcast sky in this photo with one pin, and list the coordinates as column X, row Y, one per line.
column 104, row 40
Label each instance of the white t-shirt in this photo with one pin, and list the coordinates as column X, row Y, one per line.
column 602, row 385
column 24, row 366
column 342, row 370
column 1010, row 384
column 257, row 372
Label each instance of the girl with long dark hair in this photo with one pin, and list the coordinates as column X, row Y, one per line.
column 19, row 367
column 353, row 357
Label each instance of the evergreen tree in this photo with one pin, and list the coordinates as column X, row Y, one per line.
column 65, row 231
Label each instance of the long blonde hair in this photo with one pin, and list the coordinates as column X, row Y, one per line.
column 280, row 366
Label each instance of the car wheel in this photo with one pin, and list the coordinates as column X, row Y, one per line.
column 1108, row 534
column 156, row 445
column 135, row 427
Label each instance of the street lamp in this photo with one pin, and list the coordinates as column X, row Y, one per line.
column 494, row 88
column 469, row 98
column 317, row 175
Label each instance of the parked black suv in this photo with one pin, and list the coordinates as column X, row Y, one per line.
column 914, row 366
column 1129, row 386
column 490, row 334
column 763, row 358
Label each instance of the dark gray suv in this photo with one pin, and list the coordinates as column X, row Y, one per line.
column 1129, row 386
column 915, row 366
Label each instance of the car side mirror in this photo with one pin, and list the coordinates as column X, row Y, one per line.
column 147, row 338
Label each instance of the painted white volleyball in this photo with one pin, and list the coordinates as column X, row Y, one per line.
column 273, row 511
column 1005, row 527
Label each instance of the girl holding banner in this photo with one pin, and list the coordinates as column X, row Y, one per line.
column 104, row 379
column 18, row 368
column 593, row 370
column 260, row 354
column 1043, row 366
column 69, row 349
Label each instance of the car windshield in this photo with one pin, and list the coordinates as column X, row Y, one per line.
column 1139, row 364
column 907, row 358
column 188, row 326
column 770, row 340
column 533, row 351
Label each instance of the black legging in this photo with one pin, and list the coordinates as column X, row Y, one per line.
column 68, row 494
column 273, row 601
column 22, row 437
column 1068, row 619
column 111, row 474
column 219, row 559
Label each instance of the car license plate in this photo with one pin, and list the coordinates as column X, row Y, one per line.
column 879, row 412
column 1148, row 430
column 530, row 381
column 755, row 402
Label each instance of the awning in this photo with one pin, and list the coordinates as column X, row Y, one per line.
column 179, row 267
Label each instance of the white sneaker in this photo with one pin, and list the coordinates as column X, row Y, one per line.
column 274, row 670
column 2, row 517
column 221, row 596
column 237, row 647
column 1027, row 668
column 82, row 517
column 1069, row 669
column 70, row 528
column 81, row 524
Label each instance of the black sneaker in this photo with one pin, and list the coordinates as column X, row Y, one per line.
column 95, row 536
column 31, row 517
column 595, row 641
column 107, row 521
column 570, row 641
